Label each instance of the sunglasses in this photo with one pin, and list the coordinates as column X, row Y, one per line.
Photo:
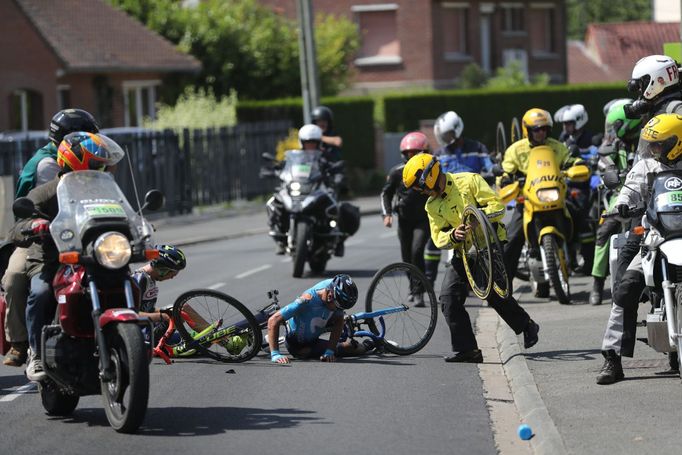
column 163, row 271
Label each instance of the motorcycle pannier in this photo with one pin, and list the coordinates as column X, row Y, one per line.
column 349, row 218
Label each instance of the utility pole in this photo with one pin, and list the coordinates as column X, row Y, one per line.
column 310, row 82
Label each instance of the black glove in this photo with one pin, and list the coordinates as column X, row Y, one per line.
column 623, row 210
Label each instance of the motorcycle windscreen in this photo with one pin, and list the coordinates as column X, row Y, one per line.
column 665, row 206
column 302, row 167
column 88, row 199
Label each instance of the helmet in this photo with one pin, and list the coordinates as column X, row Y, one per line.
column 309, row 132
column 81, row 151
column 448, row 128
column 662, row 137
column 345, row 291
column 536, row 118
column 619, row 125
column 421, row 170
column 652, row 76
column 572, row 113
column 69, row 121
column 322, row 113
column 415, row 140
column 170, row 257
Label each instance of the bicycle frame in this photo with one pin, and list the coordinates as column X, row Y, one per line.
column 357, row 319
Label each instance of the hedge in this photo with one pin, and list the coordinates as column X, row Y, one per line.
column 482, row 109
column 353, row 120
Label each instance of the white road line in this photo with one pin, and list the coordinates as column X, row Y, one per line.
column 216, row 286
column 20, row 391
column 386, row 235
column 252, row 271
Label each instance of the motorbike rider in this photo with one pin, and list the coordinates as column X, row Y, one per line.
column 308, row 316
column 661, row 138
column 449, row 194
column 41, row 168
column 615, row 155
column 331, row 142
column 573, row 118
column 78, row 151
column 413, row 224
column 537, row 126
column 456, row 154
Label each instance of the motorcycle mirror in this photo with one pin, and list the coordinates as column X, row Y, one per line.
column 267, row 156
column 23, row 207
column 611, row 179
column 497, row 170
column 153, row 200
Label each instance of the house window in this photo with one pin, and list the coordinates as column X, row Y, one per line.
column 26, row 110
column 516, row 57
column 379, row 34
column 63, row 97
column 455, row 29
column 139, row 99
column 541, row 19
column 512, row 17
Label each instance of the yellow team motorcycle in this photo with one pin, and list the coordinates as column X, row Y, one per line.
column 547, row 224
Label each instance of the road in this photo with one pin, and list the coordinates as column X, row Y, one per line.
column 375, row 405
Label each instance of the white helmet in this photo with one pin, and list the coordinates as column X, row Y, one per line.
column 448, row 128
column 652, row 75
column 309, row 132
column 572, row 113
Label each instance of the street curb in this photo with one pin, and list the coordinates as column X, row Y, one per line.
column 257, row 231
column 532, row 410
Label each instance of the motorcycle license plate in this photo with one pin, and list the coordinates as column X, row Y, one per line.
column 104, row 210
column 301, row 171
column 670, row 198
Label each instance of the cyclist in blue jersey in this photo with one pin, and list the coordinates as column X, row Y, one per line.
column 317, row 310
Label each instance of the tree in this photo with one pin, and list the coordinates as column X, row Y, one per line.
column 512, row 76
column 247, row 47
column 472, row 76
column 582, row 12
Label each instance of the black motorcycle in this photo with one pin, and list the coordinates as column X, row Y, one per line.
column 306, row 220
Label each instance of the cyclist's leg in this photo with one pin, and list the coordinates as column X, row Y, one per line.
column 452, row 297
column 305, row 350
column 510, row 311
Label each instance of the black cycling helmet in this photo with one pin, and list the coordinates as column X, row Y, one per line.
column 345, row 291
column 69, row 121
column 322, row 113
column 170, row 257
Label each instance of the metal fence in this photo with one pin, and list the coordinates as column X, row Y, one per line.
column 193, row 168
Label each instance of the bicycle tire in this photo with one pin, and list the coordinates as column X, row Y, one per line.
column 500, row 140
column 514, row 130
column 396, row 282
column 500, row 277
column 476, row 253
column 213, row 306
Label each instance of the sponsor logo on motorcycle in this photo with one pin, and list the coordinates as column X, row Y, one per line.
column 544, row 178
column 673, row 183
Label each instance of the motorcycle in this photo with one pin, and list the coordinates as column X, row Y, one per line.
column 304, row 213
column 96, row 344
column 547, row 224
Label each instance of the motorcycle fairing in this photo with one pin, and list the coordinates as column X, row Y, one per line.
column 672, row 250
column 118, row 315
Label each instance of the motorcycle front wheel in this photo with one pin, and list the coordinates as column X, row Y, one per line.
column 126, row 395
column 557, row 267
column 301, row 253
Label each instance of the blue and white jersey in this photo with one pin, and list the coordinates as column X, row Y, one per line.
column 466, row 155
column 149, row 291
column 307, row 319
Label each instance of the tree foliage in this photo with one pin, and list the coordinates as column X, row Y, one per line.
column 198, row 109
column 247, row 47
column 582, row 12
column 510, row 76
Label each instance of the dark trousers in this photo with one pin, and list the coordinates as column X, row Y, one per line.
column 515, row 241
column 452, row 297
column 413, row 237
column 625, row 255
column 623, row 322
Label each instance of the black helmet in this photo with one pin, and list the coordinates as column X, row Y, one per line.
column 170, row 257
column 322, row 113
column 69, row 121
column 345, row 291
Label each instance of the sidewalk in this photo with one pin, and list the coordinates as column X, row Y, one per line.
column 240, row 220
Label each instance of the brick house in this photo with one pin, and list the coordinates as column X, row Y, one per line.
column 428, row 42
column 80, row 53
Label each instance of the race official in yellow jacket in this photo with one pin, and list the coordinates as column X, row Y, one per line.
column 449, row 194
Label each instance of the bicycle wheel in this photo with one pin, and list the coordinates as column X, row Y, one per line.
column 217, row 325
column 500, row 278
column 477, row 252
column 514, row 130
column 500, row 141
column 407, row 331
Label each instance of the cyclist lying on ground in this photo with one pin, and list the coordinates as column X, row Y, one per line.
column 320, row 307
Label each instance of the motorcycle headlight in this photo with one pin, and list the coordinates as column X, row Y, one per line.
column 548, row 195
column 295, row 186
column 112, row 250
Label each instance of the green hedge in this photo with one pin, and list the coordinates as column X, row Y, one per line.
column 481, row 110
column 353, row 120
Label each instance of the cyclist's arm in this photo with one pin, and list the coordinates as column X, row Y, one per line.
column 273, row 330
column 441, row 237
column 334, row 336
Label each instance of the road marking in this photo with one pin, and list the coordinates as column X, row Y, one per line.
column 386, row 235
column 20, row 391
column 252, row 271
column 216, row 286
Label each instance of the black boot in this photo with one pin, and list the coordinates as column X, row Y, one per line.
column 612, row 370
column 597, row 290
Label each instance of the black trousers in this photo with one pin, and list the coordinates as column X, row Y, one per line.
column 413, row 236
column 625, row 255
column 452, row 297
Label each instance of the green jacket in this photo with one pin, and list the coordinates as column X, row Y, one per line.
column 27, row 178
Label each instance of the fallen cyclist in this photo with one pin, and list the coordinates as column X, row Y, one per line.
column 317, row 310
